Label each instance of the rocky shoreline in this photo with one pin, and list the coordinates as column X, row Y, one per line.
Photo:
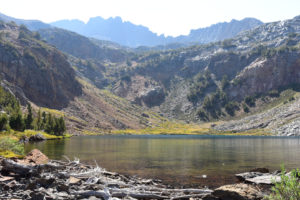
column 37, row 177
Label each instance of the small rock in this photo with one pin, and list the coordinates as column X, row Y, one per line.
column 37, row 137
column 237, row 192
column 37, row 196
column 62, row 188
column 73, row 180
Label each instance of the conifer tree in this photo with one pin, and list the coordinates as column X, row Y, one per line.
column 16, row 121
column 38, row 121
column 29, row 117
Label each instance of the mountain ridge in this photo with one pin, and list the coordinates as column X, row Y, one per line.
column 138, row 35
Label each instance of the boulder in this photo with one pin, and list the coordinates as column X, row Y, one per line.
column 37, row 137
column 35, row 157
column 237, row 192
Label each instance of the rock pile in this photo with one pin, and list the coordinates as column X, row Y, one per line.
column 36, row 177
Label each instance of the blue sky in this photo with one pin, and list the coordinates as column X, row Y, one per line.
column 169, row 17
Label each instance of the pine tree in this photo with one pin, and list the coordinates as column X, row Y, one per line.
column 16, row 121
column 39, row 120
column 62, row 126
column 29, row 118
column 50, row 124
column 44, row 121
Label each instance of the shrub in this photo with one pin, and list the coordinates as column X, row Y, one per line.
column 274, row 93
column 3, row 122
column 245, row 108
column 288, row 188
column 291, row 98
column 231, row 107
column 250, row 101
column 224, row 82
column 9, row 144
column 202, row 115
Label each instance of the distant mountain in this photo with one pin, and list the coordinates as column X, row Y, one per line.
column 32, row 25
column 128, row 34
column 113, row 29
column 219, row 31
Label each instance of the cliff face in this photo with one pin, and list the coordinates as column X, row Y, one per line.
column 266, row 74
column 42, row 72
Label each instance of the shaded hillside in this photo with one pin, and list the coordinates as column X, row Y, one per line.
column 128, row 34
column 42, row 73
column 81, row 47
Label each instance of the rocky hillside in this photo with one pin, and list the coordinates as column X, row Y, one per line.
column 128, row 34
column 235, row 77
column 80, row 46
column 40, row 72
column 254, row 74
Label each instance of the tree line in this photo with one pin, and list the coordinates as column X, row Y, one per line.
column 11, row 117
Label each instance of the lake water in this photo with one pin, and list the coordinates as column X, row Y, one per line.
column 178, row 160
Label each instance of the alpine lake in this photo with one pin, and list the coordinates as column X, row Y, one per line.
column 178, row 160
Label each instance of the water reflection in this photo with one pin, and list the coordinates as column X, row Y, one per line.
column 178, row 159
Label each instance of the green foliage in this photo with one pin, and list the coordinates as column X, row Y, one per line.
column 224, row 82
column 126, row 78
column 55, row 126
column 291, row 98
column 29, row 117
column 274, row 93
column 245, row 108
column 8, row 102
column 226, row 44
column 250, row 101
column 202, row 115
column 199, row 86
column 9, row 144
column 231, row 107
column 3, row 122
column 16, row 121
column 36, row 35
column 288, row 188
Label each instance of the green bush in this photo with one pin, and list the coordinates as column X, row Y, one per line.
column 3, row 122
column 250, row 101
column 8, row 144
column 202, row 115
column 231, row 107
column 288, row 188
column 16, row 121
column 245, row 108
column 274, row 93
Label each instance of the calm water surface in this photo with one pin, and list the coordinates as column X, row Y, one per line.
column 178, row 160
